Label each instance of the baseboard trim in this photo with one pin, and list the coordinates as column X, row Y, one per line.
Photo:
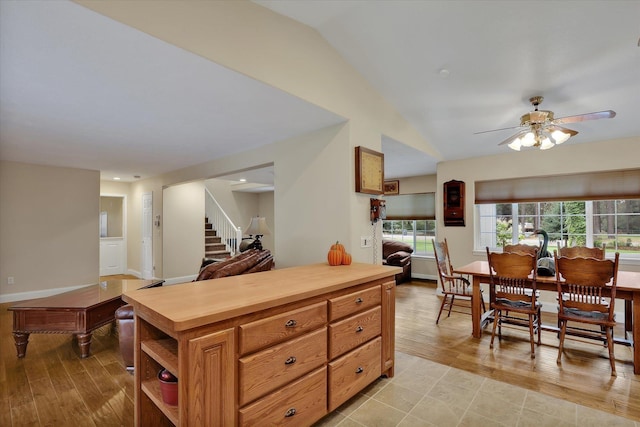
column 183, row 279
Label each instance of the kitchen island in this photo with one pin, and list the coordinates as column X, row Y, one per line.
column 281, row 347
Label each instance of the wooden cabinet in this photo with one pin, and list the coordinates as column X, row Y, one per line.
column 283, row 347
column 453, row 207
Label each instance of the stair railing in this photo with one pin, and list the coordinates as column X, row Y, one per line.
column 230, row 234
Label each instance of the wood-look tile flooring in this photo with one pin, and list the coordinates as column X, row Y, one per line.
column 444, row 377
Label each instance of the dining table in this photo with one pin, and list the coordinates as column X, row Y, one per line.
column 627, row 289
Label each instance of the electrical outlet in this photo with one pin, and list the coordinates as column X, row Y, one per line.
column 365, row 241
column 10, row 280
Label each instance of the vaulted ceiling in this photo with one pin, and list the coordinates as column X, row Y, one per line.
column 75, row 89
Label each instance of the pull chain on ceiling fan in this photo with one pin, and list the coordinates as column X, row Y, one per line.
column 540, row 129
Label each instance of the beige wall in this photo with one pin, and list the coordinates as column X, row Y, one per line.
column 49, row 223
column 252, row 40
column 183, row 245
column 567, row 158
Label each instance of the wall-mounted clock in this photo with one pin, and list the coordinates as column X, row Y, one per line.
column 369, row 171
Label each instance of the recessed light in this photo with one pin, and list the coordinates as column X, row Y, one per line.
column 116, row 178
column 243, row 180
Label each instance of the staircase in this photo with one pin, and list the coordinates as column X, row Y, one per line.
column 213, row 245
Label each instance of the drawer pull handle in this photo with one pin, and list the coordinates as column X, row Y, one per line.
column 291, row 324
column 359, row 300
column 359, row 329
column 290, row 413
column 359, row 370
column 290, row 360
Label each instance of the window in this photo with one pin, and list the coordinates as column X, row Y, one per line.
column 416, row 233
column 411, row 218
column 616, row 223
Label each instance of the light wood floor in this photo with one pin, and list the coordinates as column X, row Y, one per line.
column 53, row 386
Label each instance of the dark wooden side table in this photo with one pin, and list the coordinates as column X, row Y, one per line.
column 78, row 312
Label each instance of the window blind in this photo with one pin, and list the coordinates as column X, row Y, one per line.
column 411, row 206
column 621, row 184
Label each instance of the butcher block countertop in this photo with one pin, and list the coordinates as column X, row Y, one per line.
column 189, row 305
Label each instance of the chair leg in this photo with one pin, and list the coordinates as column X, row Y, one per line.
column 444, row 301
column 496, row 319
column 612, row 359
column 563, row 331
column 531, row 341
column 453, row 298
column 539, row 326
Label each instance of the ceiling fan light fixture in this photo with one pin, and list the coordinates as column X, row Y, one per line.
column 559, row 137
column 546, row 144
column 515, row 145
column 528, row 140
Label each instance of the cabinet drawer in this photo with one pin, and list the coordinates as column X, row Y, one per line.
column 357, row 301
column 265, row 332
column 349, row 333
column 301, row 403
column 275, row 366
column 353, row 371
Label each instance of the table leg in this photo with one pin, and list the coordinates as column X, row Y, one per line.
column 21, row 340
column 476, row 308
column 635, row 327
column 628, row 316
column 84, row 341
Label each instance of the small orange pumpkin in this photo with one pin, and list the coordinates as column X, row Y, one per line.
column 335, row 257
column 346, row 258
column 338, row 246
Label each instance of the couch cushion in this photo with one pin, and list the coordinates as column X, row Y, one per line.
column 391, row 246
column 397, row 257
column 241, row 265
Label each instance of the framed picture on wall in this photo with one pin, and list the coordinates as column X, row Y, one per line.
column 392, row 187
column 369, row 171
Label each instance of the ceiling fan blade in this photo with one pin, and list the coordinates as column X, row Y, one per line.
column 607, row 114
column 496, row 130
column 513, row 137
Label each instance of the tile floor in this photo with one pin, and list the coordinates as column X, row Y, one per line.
column 425, row 393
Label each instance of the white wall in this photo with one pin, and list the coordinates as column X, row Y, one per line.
column 49, row 223
column 183, row 243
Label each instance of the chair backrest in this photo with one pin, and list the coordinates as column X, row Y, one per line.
column 582, row 252
column 441, row 252
column 521, row 249
column 583, row 283
column 513, row 275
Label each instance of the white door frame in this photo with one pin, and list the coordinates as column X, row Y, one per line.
column 146, row 260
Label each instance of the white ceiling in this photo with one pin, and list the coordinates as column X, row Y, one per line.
column 79, row 89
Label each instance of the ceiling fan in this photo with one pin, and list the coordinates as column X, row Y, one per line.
column 540, row 129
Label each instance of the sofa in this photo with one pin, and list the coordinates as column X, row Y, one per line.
column 251, row 261
column 397, row 254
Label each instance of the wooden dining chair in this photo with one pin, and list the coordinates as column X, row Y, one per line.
column 453, row 285
column 514, row 294
column 586, row 294
column 582, row 252
column 521, row 248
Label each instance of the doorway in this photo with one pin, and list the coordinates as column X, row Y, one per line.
column 113, row 247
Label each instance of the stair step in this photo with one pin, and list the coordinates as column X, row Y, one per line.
column 208, row 226
column 217, row 254
column 210, row 233
column 214, row 247
column 212, row 239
